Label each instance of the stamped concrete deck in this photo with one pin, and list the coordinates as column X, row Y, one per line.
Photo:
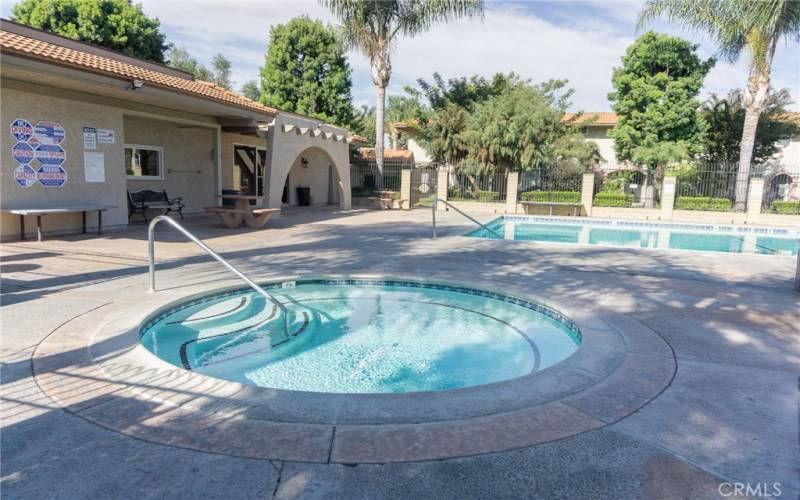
column 727, row 413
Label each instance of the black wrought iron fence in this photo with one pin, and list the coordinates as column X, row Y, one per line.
column 364, row 175
column 486, row 187
column 781, row 189
column 709, row 187
column 547, row 185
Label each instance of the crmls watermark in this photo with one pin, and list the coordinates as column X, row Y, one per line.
column 761, row 490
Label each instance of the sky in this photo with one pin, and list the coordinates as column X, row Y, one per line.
column 581, row 41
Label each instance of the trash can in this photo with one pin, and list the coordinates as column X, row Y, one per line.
column 304, row 196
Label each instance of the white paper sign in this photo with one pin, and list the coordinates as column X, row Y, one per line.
column 94, row 167
column 105, row 136
column 89, row 138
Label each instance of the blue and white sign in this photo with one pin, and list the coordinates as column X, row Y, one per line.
column 50, row 154
column 48, row 132
column 51, row 176
column 23, row 153
column 22, row 130
column 25, row 176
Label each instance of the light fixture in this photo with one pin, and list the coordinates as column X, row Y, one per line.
column 304, row 162
column 136, row 85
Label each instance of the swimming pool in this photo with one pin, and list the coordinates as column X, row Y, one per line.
column 633, row 234
column 362, row 336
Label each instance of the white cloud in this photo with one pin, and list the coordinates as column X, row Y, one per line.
column 581, row 41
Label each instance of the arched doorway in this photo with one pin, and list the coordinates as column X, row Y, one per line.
column 312, row 180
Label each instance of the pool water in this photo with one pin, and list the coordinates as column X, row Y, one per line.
column 643, row 235
column 363, row 336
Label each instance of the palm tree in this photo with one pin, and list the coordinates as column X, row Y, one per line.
column 738, row 25
column 372, row 26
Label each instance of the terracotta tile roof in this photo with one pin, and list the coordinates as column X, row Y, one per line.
column 31, row 47
column 404, row 154
column 408, row 125
column 357, row 138
column 592, row 118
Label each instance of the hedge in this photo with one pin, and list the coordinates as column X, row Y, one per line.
column 552, row 196
column 612, row 199
column 487, row 195
column 785, row 207
column 703, row 203
column 362, row 191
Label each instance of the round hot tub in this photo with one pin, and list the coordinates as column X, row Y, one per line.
column 362, row 336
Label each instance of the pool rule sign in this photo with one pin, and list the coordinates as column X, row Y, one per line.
column 38, row 144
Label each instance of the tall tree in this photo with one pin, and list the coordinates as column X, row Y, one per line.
column 518, row 129
column 726, row 117
column 219, row 73
column 251, row 90
column 221, row 67
column 180, row 58
column 655, row 98
column 364, row 122
column 462, row 91
column 373, row 25
column 306, row 71
column 738, row 26
column 400, row 109
column 114, row 24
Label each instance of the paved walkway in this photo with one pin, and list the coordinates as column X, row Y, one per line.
column 730, row 414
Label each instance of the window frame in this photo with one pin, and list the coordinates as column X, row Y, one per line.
column 162, row 167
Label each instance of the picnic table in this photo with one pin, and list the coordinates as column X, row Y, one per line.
column 242, row 212
column 385, row 201
column 65, row 209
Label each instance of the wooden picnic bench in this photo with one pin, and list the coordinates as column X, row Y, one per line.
column 526, row 205
column 242, row 212
column 233, row 217
column 40, row 212
column 387, row 203
column 384, row 201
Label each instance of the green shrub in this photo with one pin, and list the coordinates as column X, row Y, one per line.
column 610, row 199
column 703, row 203
column 785, row 207
column 362, row 191
column 552, row 196
column 488, row 195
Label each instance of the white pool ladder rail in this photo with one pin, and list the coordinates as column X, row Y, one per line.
column 151, row 250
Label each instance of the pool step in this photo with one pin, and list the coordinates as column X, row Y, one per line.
column 225, row 346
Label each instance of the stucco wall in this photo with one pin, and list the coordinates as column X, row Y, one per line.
column 286, row 146
column 73, row 116
column 789, row 154
column 599, row 135
column 189, row 160
column 420, row 155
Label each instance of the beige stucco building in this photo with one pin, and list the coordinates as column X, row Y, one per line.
column 114, row 123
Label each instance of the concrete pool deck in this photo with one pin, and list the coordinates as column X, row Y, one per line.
column 729, row 414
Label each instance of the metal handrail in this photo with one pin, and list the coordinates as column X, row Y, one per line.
column 448, row 204
column 151, row 248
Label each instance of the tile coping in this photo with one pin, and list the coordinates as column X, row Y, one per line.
column 623, row 365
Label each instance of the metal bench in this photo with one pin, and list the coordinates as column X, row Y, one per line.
column 142, row 200
column 40, row 212
column 550, row 204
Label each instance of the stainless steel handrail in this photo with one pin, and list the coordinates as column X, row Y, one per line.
column 436, row 200
column 151, row 249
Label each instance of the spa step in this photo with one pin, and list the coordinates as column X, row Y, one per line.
column 259, row 340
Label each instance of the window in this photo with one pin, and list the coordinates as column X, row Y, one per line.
column 144, row 162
